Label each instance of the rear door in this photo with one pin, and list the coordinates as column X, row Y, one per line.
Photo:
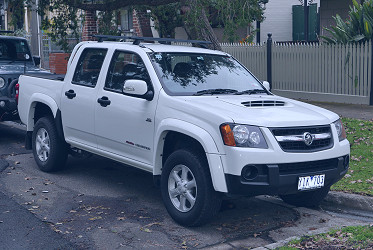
column 78, row 98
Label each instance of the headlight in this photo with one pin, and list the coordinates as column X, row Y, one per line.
column 340, row 130
column 242, row 136
column 2, row 82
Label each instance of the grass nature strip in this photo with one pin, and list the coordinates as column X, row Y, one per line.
column 359, row 178
column 353, row 237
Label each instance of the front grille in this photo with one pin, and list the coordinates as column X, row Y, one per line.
column 263, row 103
column 305, row 167
column 300, row 145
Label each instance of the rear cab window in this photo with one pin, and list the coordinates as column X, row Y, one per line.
column 89, row 67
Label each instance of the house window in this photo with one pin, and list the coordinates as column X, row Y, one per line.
column 126, row 20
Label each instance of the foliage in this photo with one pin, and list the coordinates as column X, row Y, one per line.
column 64, row 23
column 107, row 23
column 235, row 14
column 231, row 14
column 166, row 18
column 67, row 16
column 352, row 237
column 17, row 14
column 359, row 178
column 357, row 28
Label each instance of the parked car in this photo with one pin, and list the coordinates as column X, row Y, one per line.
column 15, row 59
column 195, row 118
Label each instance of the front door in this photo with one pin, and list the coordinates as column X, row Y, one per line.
column 124, row 123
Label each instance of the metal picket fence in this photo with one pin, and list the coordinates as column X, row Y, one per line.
column 318, row 72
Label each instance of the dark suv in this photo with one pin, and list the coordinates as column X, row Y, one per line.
column 15, row 59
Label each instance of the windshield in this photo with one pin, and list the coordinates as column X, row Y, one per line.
column 14, row 50
column 203, row 74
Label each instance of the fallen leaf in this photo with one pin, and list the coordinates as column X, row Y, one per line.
column 146, row 230
column 95, row 218
column 322, row 221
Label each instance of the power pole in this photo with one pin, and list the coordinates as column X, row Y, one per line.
column 306, row 20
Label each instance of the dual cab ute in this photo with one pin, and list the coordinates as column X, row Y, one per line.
column 195, row 118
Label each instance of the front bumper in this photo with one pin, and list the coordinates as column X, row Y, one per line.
column 282, row 179
column 8, row 108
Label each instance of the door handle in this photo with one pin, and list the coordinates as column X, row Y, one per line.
column 70, row 94
column 104, row 101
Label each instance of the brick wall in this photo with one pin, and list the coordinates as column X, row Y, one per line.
column 89, row 26
column 136, row 24
column 144, row 21
column 58, row 62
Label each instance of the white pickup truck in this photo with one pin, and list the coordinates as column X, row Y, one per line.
column 195, row 118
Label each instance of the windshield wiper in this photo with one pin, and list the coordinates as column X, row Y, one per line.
column 216, row 91
column 251, row 91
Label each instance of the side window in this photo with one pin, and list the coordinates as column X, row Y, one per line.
column 125, row 66
column 89, row 67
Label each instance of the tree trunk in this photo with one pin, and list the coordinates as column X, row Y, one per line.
column 197, row 25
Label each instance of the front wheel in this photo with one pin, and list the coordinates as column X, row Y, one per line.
column 306, row 199
column 187, row 189
column 50, row 151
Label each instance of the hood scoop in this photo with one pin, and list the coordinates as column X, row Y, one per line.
column 269, row 103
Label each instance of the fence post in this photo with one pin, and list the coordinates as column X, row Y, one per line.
column 371, row 74
column 269, row 59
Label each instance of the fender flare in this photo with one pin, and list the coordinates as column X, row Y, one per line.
column 200, row 135
column 40, row 98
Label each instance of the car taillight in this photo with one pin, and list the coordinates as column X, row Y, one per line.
column 17, row 91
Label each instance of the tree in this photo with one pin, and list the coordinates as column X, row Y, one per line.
column 357, row 28
column 194, row 15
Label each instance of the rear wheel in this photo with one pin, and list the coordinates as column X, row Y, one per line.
column 187, row 189
column 50, row 151
column 306, row 199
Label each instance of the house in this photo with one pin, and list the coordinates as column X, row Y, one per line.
column 282, row 18
column 329, row 9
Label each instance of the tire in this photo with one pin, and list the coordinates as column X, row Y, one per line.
column 50, row 151
column 191, row 169
column 306, row 199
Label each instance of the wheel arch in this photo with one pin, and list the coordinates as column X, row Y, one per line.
column 173, row 134
column 40, row 105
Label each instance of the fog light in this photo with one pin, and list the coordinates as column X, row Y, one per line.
column 2, row 104
column 249, row 172
column 346, row 161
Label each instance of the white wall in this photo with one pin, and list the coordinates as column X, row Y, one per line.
column 278, row 20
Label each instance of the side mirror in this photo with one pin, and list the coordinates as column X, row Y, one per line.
column 36, row 60
column 138, row 88
column 267, row 85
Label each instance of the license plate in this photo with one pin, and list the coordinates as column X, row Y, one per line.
column 311, row 182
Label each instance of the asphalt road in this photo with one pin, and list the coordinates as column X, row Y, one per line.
column 99, row 204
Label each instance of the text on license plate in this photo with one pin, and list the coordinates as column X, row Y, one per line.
column 311, row 182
